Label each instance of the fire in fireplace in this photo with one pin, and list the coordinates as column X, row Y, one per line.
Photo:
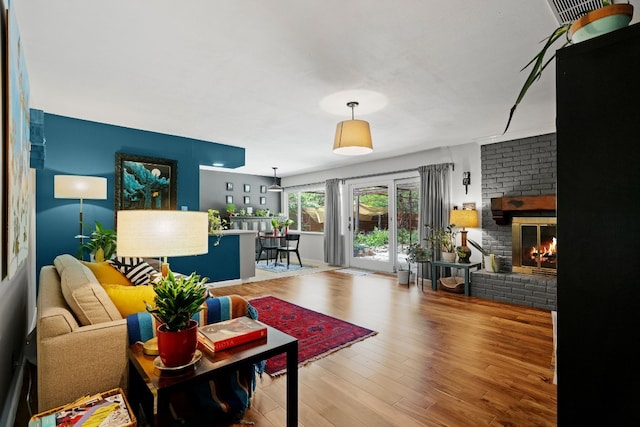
column 534, row 245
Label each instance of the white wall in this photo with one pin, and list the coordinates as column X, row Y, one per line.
column 466, row 158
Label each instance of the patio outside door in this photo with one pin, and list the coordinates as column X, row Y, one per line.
column 371, row 235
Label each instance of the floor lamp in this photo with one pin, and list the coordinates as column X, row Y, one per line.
column 79, row 187
column 162, row 233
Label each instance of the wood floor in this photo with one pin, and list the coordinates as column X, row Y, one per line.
column 439, row 359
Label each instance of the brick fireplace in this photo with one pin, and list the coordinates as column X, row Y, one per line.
column 523, row 169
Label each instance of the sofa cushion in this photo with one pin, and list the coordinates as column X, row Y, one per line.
column 137, row 270
column 130, row 299
column 83, row 293
column 106, row 273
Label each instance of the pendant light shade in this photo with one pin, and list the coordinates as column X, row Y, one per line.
column 353, row 137
column 274, row 187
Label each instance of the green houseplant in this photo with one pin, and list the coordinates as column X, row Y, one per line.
column 607, row 18
column 177, row 299
column 216, row 224
column 444, row 240
column 102, row 243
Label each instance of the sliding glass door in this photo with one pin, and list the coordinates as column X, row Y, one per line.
column 382, row 222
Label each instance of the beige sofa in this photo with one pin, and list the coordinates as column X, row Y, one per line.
column 81, row 336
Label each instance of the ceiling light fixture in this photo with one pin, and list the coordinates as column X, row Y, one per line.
column 274, row 187
column 353, row 137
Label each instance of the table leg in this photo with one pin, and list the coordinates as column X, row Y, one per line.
column 292, row 385
column 466, row 281
column 434, row 280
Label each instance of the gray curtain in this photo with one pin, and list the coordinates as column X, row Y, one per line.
column 333, row 239
column 435, row 198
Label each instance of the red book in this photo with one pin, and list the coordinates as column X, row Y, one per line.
column 230, row 333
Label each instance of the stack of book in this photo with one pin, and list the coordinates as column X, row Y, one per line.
column 230, row 333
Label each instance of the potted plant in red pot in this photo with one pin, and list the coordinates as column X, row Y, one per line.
column 178, row 298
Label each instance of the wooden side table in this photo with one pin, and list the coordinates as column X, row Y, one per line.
column 465, row 267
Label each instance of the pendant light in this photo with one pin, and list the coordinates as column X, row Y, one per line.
column 353, row 137
column 274, row 187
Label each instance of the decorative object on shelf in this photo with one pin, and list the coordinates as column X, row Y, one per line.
column 101, row 244
column 216, row 225
column 596, row 22
column 353, row 137
column 79, row 187
column 274, row 187
column 247, row 188
column 152, row 233
column 263, row 200
column 177, row 300
column 463, row 218
column 229, row 186
column 145, row 183
column 491, row 261
column 263, row 189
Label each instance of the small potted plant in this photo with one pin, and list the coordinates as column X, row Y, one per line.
column 177, row 299
column 231, row 209
column 216, row 225
column 102, row 243
column 443, row 239
column 602, row 20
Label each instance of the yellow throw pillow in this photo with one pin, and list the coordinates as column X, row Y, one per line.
column 106, row 273
column 130, row 299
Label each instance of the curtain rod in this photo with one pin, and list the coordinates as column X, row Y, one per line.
column 453, row 167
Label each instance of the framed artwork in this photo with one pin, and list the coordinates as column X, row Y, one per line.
column 263, row 200
column 19, row 179
column 145, row 182
column 229, row 186
column 247, row 188
column 229, row 199
column 247, row 200
column 263, row 189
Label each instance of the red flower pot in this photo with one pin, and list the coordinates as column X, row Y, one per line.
column 177, row 348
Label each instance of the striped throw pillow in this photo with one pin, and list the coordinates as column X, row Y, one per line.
column 137, row 270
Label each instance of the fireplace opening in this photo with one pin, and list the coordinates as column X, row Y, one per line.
column 534, row 245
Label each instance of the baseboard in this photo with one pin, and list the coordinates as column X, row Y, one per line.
column 10, row 408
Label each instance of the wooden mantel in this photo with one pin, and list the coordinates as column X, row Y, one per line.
column 503, row 208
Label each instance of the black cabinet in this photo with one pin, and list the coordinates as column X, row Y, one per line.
column 598, row 209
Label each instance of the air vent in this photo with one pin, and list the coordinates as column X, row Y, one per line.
column 569, row 10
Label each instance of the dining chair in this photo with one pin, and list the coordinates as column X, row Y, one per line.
column 291, row 244
column 268, row 245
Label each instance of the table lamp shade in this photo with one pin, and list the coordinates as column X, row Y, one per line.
column 79, row 187
column 464, row 218
column 162, row 233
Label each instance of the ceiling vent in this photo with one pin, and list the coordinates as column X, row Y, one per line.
column 567, row 11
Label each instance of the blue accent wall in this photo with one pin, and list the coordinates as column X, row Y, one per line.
column 81, row 147
column 220, row 263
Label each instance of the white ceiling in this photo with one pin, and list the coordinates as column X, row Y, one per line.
column 274, row 76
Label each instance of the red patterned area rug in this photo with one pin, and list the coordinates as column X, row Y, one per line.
column 318, row 334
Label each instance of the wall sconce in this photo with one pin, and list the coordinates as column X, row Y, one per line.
column 466, row 181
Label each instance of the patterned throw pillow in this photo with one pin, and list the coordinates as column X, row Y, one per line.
column 135, row 269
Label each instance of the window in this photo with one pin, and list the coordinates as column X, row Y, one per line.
column 306, row 209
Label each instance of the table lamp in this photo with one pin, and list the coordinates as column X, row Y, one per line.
column 79, row 187
column 162, row 233
column 464, row 218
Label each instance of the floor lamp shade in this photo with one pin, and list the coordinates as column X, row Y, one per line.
column 79, row 187
column 353, row 138
column 161, row 233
